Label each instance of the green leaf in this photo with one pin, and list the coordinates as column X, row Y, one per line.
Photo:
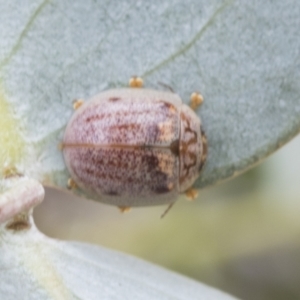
column 33, row 266
column 243, row 57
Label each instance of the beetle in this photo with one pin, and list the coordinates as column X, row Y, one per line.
column 134, row 146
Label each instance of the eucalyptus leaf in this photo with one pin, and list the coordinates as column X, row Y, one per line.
column 33, row 266
column 243, row 56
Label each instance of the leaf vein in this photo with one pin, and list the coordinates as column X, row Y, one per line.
column 188, row 45
column 23, row 34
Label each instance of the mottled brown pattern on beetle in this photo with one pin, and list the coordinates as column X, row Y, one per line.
column 162, row 189
column 204, row 150
column 174, row 147
column 184, row 149
column 155, row 123
column 112, row 193
column 169, row 106
column 134, row 151
column 114, row 99
column 124, row 171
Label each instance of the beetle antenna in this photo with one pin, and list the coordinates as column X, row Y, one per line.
column 167, row 210
column 166, row 86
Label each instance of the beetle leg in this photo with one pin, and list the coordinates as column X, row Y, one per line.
column 71, row 184
column 77, row 103
column 19, row 222
column 167, row 209
column 166, row 86
column 191, row 194
column 10, row 171
column 60, row 146
column 136, row 82
column 196, row 100
column 124, row 209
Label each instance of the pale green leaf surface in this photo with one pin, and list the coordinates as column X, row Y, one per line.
column 33, row 266
column 243, row 56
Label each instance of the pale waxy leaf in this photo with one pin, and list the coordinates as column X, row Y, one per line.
column 33, row 266
column 243, row 57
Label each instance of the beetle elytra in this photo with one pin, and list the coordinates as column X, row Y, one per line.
column 135, row 147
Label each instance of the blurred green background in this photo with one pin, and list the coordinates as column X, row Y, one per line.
column 241, row 236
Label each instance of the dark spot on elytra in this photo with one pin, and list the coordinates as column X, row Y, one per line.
column 94, row 118
column 153, row 132
column 114, row 99
column 125, row 127
column 151, row 162
column 112, row 193
column 175, row 147
column 161, row 189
